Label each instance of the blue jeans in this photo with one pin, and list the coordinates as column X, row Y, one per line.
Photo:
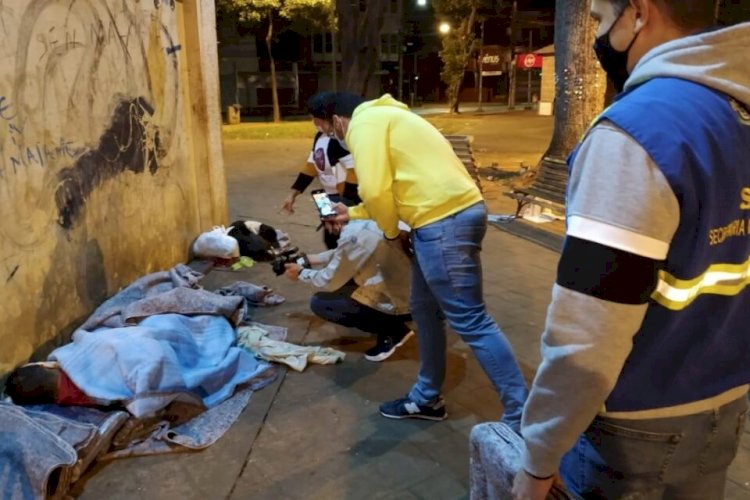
column 679, row 457
column 447, row 284
column 339, row 307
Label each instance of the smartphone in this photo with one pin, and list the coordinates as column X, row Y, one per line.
column 323, row 203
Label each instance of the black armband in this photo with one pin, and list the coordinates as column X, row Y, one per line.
column 302, row 182
column 351, row 194
column 607, row 273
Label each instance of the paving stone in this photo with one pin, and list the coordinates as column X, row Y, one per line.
column 441, row 486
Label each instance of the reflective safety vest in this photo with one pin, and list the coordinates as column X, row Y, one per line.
column 694, row 343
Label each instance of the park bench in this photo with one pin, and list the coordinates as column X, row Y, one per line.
column 546, row 190
column 461, row 145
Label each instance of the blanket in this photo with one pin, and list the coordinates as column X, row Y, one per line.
column 169, row 357
column 161, row 339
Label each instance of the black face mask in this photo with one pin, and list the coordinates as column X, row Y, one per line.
column 614, row 62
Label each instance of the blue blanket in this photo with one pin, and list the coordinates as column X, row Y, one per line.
column 165, row 358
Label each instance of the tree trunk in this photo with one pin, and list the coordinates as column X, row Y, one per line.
column 274, row 86
column 466, row 48
column 580, row 81
column 454, row 91
column 360, row 40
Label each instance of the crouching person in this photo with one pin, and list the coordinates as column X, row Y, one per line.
column 364, row 283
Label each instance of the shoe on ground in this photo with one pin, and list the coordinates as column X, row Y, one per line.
column 406, row 408
column 386, row 346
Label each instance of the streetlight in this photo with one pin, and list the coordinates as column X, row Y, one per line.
column 444, row 28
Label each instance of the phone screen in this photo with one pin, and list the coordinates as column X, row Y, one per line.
column 324, row 204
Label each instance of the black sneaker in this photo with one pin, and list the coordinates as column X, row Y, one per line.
column 406, row 408
column 386, row 346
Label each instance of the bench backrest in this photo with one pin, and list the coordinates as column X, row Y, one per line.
column 551, row 181
column 461, row 145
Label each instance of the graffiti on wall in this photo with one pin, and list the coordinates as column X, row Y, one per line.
column 89, row 90
column 127, row 144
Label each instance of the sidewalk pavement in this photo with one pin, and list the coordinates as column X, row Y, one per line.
column 468, row 107
column 317, row 434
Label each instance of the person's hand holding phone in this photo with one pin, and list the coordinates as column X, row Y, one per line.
column 341, row 213
column 324, row 204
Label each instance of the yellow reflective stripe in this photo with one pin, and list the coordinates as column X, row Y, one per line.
column 738, row 269
column 718, row 279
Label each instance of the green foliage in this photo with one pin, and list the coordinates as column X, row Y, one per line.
column 457, row 47
column 454, row 9
column 461, row 43
column 315, row 14
column 303, row 129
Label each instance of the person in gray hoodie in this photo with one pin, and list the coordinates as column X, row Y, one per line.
column 642, row 390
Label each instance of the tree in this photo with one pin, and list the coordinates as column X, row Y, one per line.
column 580, row 82
column 460, row 44
column 268, row 13
column 360, row 22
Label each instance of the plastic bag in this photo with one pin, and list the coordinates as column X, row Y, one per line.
column 216, row 244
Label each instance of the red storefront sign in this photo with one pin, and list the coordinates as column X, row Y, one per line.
column 529, row 61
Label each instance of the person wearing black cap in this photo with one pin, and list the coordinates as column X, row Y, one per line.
column 329, row 161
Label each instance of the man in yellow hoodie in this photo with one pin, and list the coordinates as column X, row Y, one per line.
column 408, row 171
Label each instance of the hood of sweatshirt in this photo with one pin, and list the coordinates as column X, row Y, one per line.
column 718, row 59
column 384, row 101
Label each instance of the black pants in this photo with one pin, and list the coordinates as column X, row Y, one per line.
column 339, row 307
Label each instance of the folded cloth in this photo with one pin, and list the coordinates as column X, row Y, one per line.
column 174, row 291
column 255, row 295
column 273, row 332
column 494, row 460
column 107, row 423
column 38, row 452
column 185, row 301
column 296, row 357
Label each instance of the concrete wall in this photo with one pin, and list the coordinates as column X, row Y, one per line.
column 110, row 154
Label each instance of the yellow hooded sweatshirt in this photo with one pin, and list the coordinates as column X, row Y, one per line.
column 407, row 169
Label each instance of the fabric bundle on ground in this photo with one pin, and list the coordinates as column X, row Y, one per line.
column 495, row 459
column 195, row 433
column 162, row 348
column 174, row 291
column 165, row 358
column 255, row 295
column 160, row 340
column 41, row 454
column 257, row 339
